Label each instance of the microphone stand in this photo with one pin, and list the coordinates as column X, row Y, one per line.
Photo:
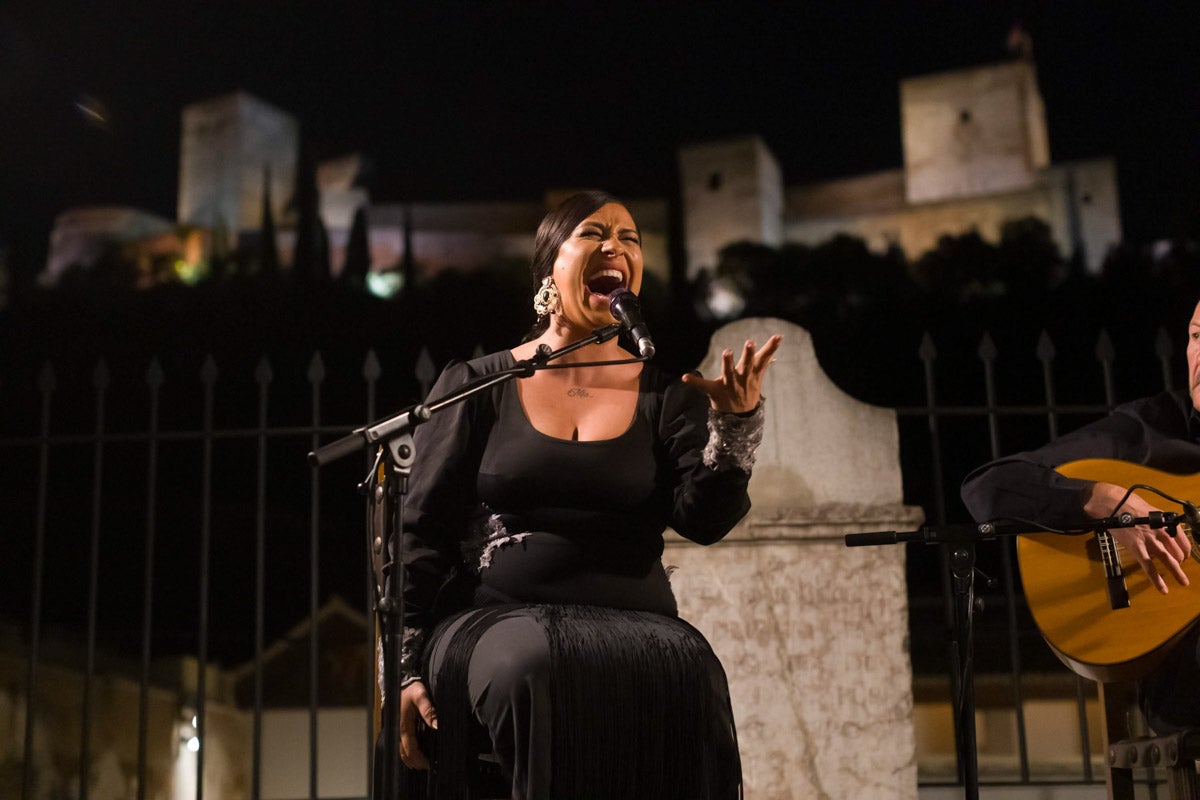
column 961, row 540
column 386, row 488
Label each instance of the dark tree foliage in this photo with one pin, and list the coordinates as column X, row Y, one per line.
column 220, row 257
column 358, row 251
column 310, row 263
column 268, row 255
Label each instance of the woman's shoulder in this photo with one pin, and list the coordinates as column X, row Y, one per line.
column 479, row 365
column 656, row 378
column 669, row 392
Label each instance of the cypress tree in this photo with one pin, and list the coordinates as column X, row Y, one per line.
column 268, row 256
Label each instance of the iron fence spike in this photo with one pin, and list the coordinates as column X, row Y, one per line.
column 100, row 375
column 1104, row 347
column 1045, row 347
column 316, row 368
column 46, row 379
column 987, row 347
column 262, row 372
column 1162, row 344
column 208, row 370
column 155, row 374
column 371, row 367
column 927, row 351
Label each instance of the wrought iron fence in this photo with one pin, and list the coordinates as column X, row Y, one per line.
column 1028, row 424
column 202, row 464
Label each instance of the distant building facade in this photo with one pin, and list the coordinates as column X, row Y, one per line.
column 230, row 148
column 81, row 236
column 976, row 155
column 732, row 191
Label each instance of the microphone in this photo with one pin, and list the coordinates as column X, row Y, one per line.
column 628, row 311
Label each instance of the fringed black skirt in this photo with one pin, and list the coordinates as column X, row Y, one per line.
column 638, row 705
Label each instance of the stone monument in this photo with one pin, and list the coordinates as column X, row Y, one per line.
column 813, row 635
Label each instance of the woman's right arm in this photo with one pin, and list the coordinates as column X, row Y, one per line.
column 437, row 508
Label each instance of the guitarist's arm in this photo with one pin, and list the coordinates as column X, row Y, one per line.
column 1026, row 485
column 1146, row 544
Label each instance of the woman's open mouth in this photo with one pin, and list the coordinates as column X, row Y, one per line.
column 606, row 281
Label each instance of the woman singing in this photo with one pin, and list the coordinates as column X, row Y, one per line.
column 536, row 603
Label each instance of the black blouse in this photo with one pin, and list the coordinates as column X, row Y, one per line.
column 566, row 521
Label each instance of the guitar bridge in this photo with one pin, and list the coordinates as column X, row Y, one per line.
column 1114, row 575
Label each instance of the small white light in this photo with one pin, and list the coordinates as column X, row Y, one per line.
column 385, row 284
column 724, row 299
column 193, row 744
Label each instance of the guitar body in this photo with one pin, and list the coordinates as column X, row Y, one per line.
column 1065, row 586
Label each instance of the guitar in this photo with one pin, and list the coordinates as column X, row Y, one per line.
column 1077, row 604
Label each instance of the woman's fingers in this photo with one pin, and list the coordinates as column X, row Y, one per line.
column 414, row 702
column 737, row 388
column 763, row 358
column 428, row 712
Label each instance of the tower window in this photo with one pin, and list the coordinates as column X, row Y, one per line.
column 964, row 116
column 714, row 181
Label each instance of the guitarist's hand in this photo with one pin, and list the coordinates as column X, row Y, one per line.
column 1147, row 544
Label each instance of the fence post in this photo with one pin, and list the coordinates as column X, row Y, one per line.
column 100, row 382
column 1105, row 354
column 316, row 375
column 1165, row 350
column 262, row 377
column 371, row 373
column 208, row 377
column 425, row 372
column 987, row 354
column 154, row 381
column 46, row 389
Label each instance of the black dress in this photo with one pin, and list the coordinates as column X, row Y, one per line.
column 535, row 562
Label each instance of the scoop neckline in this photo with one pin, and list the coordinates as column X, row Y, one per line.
column 529, row 422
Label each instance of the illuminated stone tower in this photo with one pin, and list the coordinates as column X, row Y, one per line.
column 732, row 192
column 973, row 132
column 229, row 144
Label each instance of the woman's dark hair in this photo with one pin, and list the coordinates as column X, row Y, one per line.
column 554, row 229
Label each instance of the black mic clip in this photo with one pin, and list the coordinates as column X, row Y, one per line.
column 1153, row 519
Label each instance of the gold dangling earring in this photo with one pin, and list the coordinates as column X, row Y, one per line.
column 546, row 299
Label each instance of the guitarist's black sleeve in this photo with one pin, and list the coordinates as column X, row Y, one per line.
column 1153, row 432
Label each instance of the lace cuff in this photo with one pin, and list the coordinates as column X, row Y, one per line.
column 734, row 438
column 412, row 646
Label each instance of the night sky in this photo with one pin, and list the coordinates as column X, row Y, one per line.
column 501, row 100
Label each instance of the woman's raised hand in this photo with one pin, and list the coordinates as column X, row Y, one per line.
column 740, row 386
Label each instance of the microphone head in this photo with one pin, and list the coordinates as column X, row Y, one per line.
column 621, row 297
column 627, row 310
